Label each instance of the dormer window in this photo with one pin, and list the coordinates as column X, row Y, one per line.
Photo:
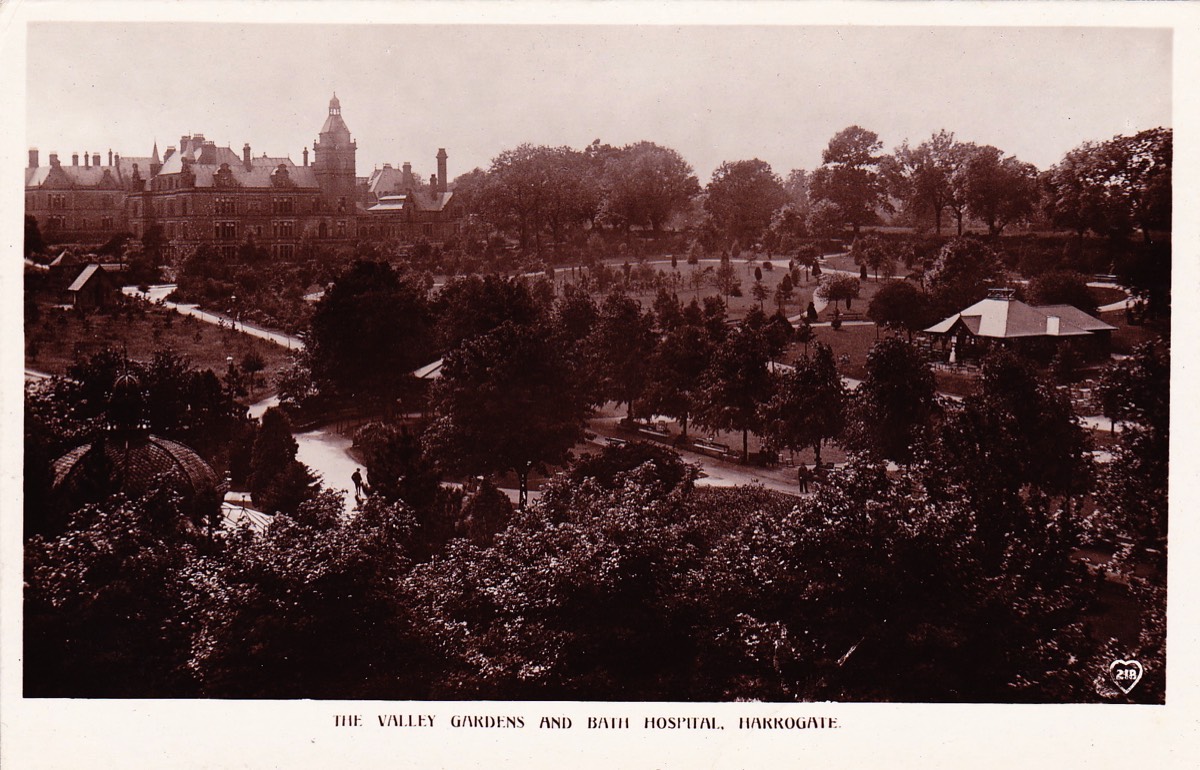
column 224, row 176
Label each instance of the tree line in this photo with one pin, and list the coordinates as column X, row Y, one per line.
column 1114, row 189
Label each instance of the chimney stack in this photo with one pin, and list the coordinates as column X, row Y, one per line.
column 33, row 157
column 407, row 180
column 117, row 159
column 87, row 160
column 110, row 157
column 246, row 156
column 306, row 156
column 54, row 159
column 441, row 165
column 1053, row 325
column 74, row 159
column 96, row 160
column 433, row 184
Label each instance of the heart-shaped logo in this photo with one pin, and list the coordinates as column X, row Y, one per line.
column 1125, row 674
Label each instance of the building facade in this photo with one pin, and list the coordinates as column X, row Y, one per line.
column 81, row 202
column 198, row 194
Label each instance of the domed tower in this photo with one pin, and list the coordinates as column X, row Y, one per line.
column 333, row 159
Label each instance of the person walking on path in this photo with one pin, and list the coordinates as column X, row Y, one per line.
column 358, row 483
column 805, row 475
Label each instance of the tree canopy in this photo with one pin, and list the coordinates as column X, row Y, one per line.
column 507, row 401
column 646, row 184
column 369, row 331
column 894, row 404
column 807, row 405
column 849, row 177
column 742, row 198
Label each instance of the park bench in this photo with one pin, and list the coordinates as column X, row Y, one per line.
column 614, row 441
column 657, row 431
column 711, row 448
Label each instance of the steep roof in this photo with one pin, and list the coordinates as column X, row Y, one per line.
column 83, row 278
column 88, row 271
column 118, row 174
column 258, row 175
column 386, row 180
column 1077, row 317
column 1011, row 318
column 427, row 200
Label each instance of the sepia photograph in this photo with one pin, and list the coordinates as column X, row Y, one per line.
column 512, row 360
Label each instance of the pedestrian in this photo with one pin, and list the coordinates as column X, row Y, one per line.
column 804, row 475
column 358, row 483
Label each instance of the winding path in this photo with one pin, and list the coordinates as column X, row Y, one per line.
column 158, row 294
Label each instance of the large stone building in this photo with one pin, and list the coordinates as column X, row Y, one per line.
column 200, row 194
column 81, row 202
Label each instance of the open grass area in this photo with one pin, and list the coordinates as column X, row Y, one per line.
column 846, row 262
column 697, row 282
column 1106, row 295
column 59, row 336
column 1128, row 336
column 850, row 346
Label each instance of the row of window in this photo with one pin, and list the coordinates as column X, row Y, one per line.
column 58, row 222
column 59, row 202
column 279, row 251
column 222, row 206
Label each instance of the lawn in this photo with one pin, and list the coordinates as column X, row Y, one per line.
column 850, row 346
column 59, row 336
column 1127, row 336
column 697, row 282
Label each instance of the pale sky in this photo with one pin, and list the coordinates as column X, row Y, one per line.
column 713, row 93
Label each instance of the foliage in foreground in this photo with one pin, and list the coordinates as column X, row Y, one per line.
column 630, row 586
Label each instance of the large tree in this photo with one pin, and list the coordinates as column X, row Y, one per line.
column 1013, row 445
column 534, row 188
column 900, row 304
column 998, row 190
column 736, row 382
column 507, row 401
column 674, row 371
column 962, row 272
column 1133, row 486
column 849, row 177
column 279, row 483
column 370, row 330
column 894, row 404
column 620, row 347
column 1062, row 287
column 923, row 176
column 742, row 197
column 1141, row 173
column 806, row 409
column 646, row 184
column 1075, row 192
column 470, row 306
column 33, row 237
